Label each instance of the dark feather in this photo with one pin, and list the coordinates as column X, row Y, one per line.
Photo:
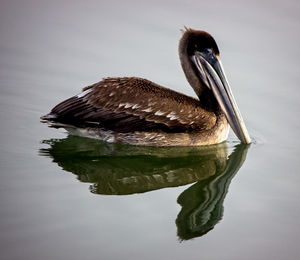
column 132, row 104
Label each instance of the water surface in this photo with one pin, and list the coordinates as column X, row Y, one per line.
column 65, row 197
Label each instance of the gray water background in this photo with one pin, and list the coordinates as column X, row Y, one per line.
column 49, row 50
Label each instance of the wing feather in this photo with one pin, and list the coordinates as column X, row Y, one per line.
column 133, row 104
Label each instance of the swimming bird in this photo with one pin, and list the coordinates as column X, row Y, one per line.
column 137, row 111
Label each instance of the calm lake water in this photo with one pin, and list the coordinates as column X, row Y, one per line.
column 66, row 197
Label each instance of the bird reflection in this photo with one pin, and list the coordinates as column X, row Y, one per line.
column 116, row 169
column 202, row 203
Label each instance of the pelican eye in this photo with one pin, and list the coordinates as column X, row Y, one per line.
column 207, row 50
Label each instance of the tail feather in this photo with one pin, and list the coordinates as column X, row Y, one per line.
column 49, row 117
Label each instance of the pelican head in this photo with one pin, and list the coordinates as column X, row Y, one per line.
column 200, row 60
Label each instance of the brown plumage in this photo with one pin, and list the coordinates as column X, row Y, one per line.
column 137, row 111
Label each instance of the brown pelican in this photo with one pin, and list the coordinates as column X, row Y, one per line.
column 137, row 111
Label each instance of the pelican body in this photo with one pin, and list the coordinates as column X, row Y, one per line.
column 137, row 111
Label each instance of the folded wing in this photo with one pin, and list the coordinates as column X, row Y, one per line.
column 132, row 104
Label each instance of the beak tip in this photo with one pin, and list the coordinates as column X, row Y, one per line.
column 246, row 138
column 248, row 141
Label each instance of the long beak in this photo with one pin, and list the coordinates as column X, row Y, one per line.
column 212, row 74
